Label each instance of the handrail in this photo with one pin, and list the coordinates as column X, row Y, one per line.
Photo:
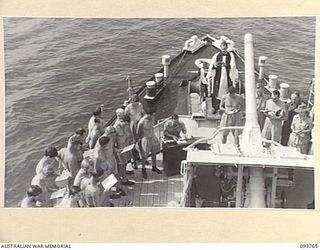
column 160, row 122
column 213, row 136
column 228, row 128
column 272, row 142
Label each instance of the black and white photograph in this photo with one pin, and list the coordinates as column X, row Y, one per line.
column 199, row 113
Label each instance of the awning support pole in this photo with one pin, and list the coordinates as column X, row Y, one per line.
column 239, row 186
column 274, row 187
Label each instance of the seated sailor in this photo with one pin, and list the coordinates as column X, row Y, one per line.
column 173, row 128
column 222, row 74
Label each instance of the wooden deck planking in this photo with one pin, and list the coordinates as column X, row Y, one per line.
column 152, row 179
column 177, row 189
column 163, row 192
column 143, row 194
column 156, row 191
column 137, row 187
column 156, row 198
column 170, row 194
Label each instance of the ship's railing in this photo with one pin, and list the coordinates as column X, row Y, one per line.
column 201, row 140
column 213, row 136
column 159, row 129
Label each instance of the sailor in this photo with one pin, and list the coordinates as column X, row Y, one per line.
column 311, row 114
column 71, row 157
column 110, row 149
column 286, row 126
column 80, row 132
column 135, row 111
column 148, row 142
column 96, row 131
column 228, row 187
column 95, row 114
column 48, row 159
column 101, row 155
column 261, row 100
column 275, row 113
column 204, row 84
column 112, row 155
column 86, row 169
column 173, row 128
column 220, row 74
column 31, row 199
column 71, row 198
column 124, row 138
column 45, row 180
column 231, row 104
column 92, row 189
column 301, row 129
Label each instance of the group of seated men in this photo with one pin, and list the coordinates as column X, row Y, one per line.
column 88, row 160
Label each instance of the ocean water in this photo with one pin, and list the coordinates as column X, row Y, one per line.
column 57, row 70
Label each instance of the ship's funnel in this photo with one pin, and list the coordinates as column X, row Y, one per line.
column 251, row 143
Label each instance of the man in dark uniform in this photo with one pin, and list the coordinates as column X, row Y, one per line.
column 286, row 126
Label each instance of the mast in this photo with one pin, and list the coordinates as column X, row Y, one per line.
column 129, row 86
column 251, row 144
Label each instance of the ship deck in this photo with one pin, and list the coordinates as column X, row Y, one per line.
column 156, row 191
column 162, row 191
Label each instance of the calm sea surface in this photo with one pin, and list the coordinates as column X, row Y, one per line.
column 57, row 70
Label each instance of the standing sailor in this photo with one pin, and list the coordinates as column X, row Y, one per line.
column 301, row 129
column 221, row 74
column 96, row 132
column 80, row 133
column 286, row 127
column 275, row 113
column 261, row 100
column 148, row 142
column 46, row 181
column 231, row 104
column 71, row 156
column 95, row 114
column 124, row 138
column 135, row 111
column 48, row 159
